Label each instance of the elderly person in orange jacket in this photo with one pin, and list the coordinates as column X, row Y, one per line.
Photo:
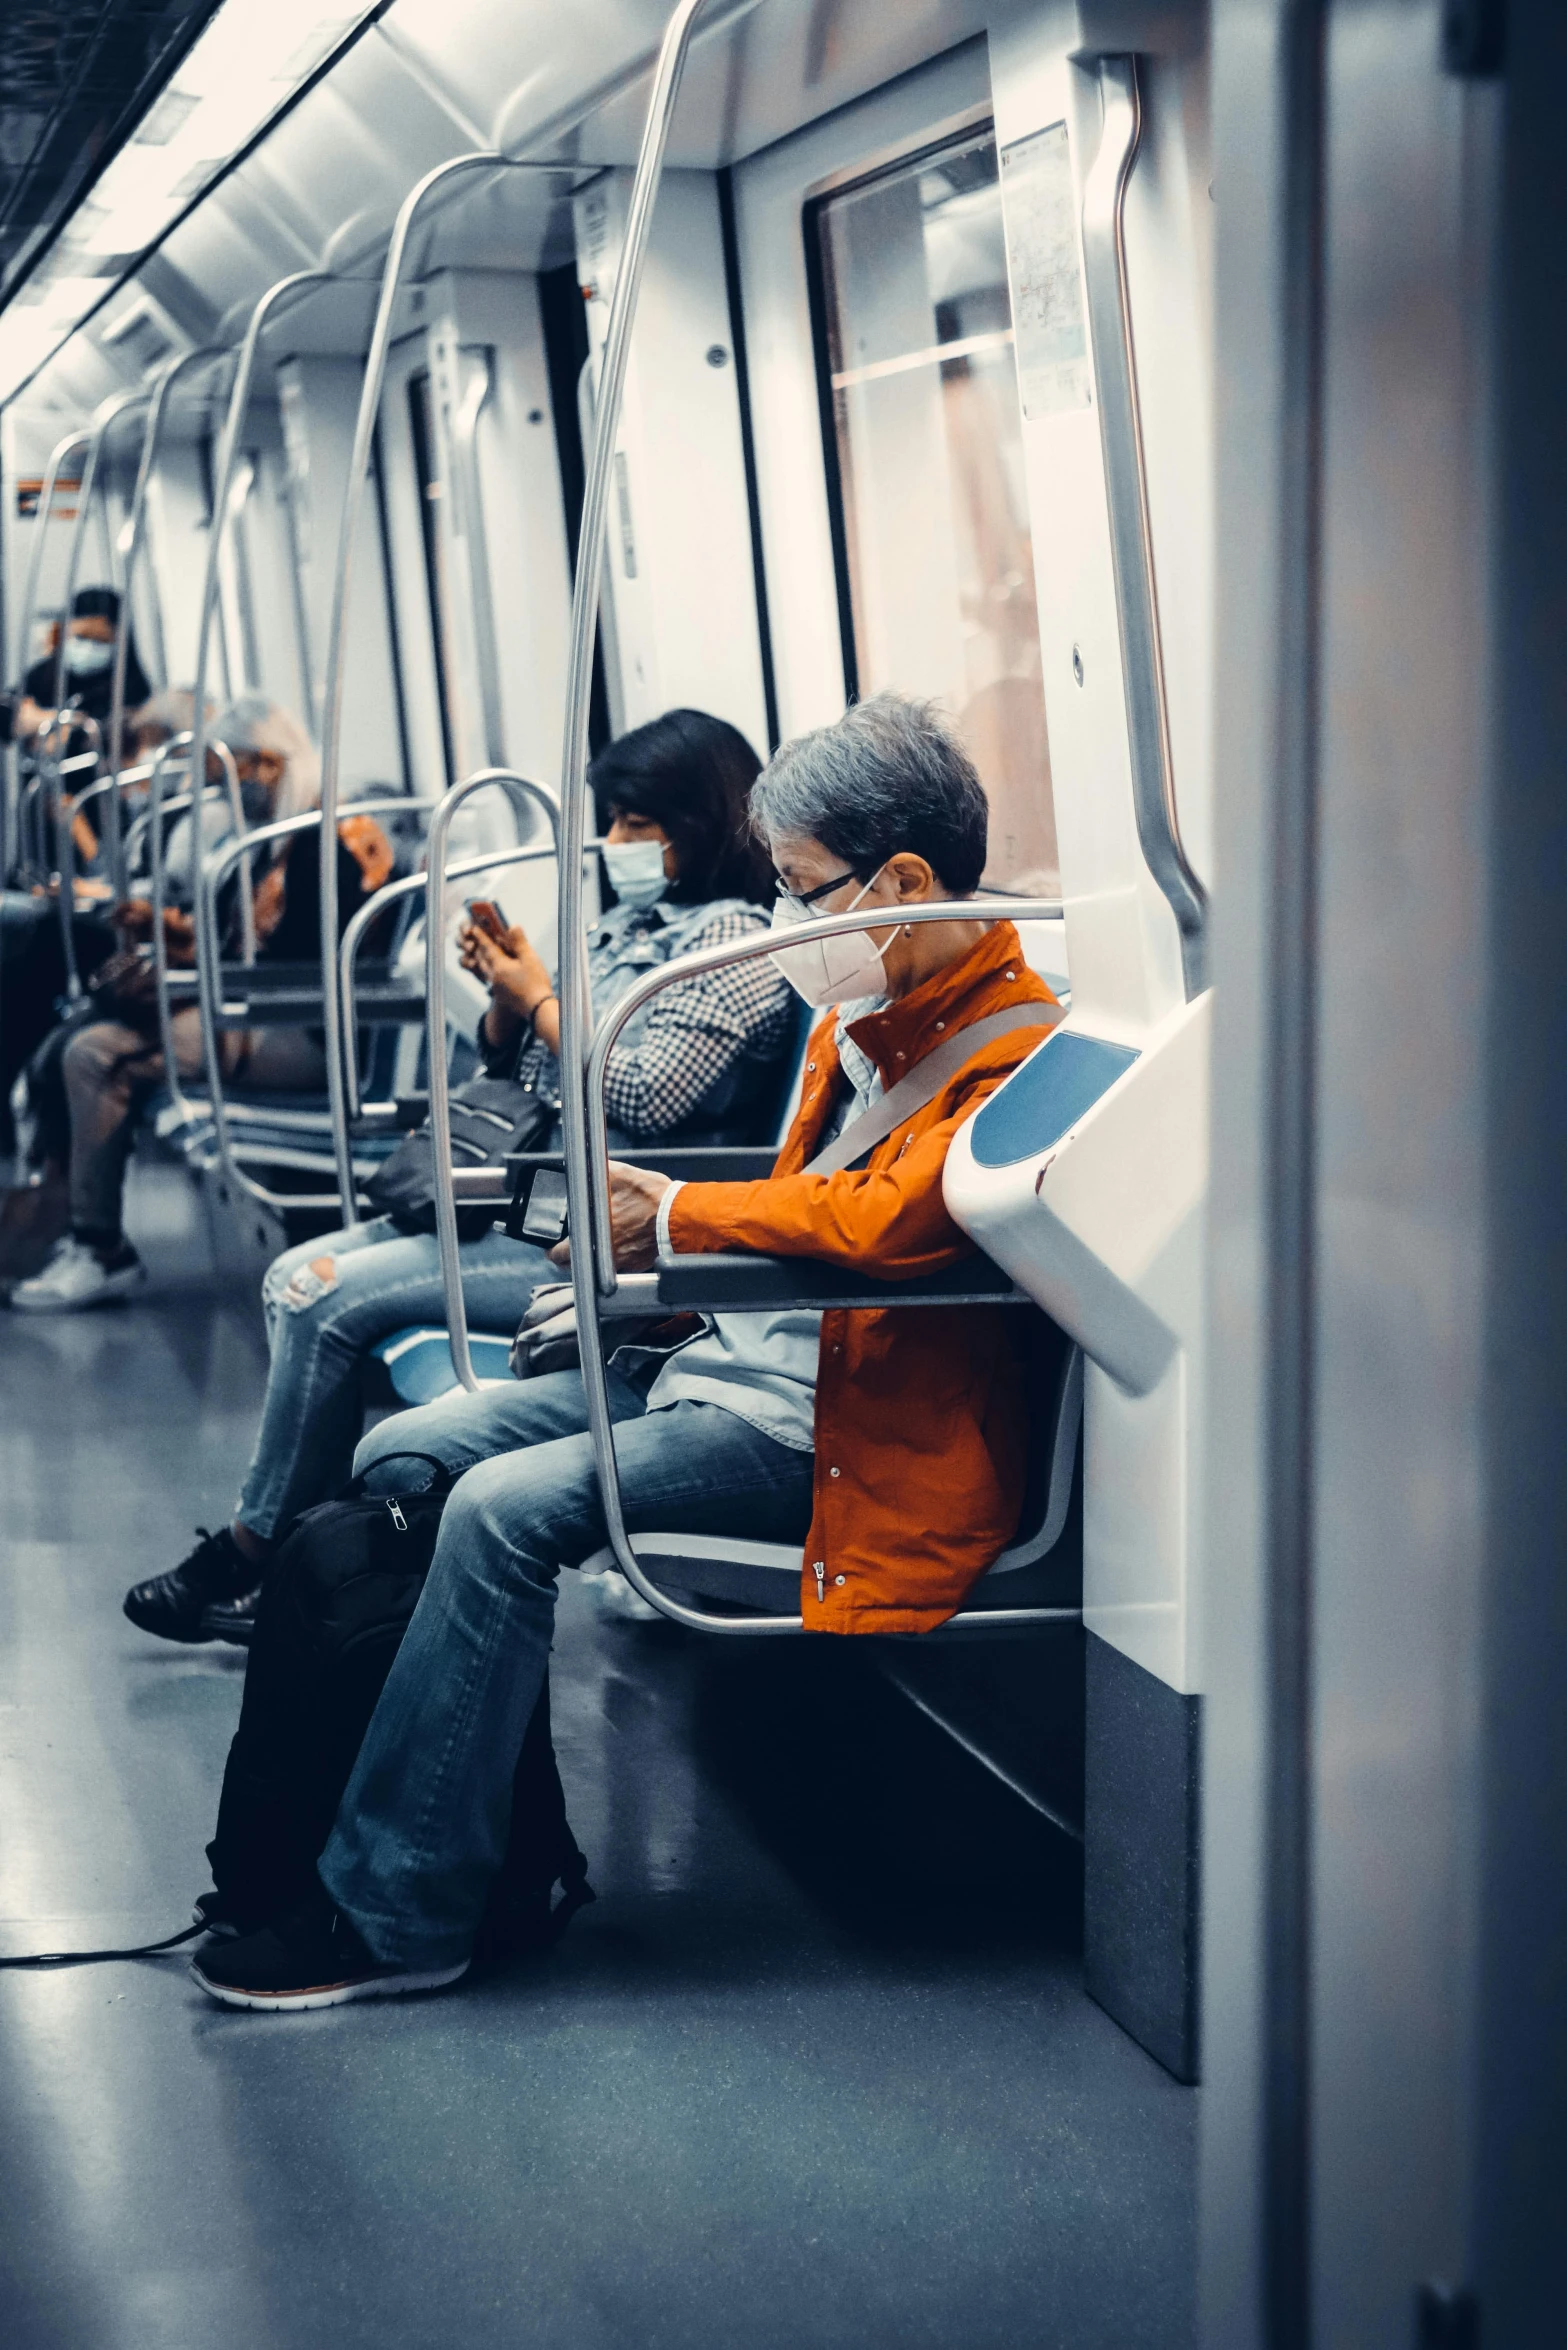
column 891, row 1443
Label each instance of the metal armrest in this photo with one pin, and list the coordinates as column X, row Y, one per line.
column 682, row 1162
column 758, row 1284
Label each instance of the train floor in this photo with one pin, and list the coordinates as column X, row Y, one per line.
column 816, row 2070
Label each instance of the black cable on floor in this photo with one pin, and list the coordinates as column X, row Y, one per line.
column 39, row 1958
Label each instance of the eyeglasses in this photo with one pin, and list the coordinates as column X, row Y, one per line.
column 808, row 897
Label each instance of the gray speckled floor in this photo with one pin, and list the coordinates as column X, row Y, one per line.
column 816, row 2070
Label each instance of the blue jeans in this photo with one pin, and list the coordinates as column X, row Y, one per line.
column 319, row 1328
column 422, row 1827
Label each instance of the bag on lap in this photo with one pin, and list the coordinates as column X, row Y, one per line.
column 488, row 1117
column 336, row 1602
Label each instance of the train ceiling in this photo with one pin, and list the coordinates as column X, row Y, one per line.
column 420, row 80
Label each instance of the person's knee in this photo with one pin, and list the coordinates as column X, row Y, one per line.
column 388, row 1456
column 85, row 1057
column 300, row 1286
column 499, row 1518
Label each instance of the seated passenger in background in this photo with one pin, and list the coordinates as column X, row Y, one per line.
column 671, row 799
column 109, row 1065
column 891, row 1442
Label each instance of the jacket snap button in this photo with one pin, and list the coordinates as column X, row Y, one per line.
column 840, row 1578
column 1012, row 975
column 940, row 1025
column 835, row 1472
column 903, row 1056
column 810, row 1068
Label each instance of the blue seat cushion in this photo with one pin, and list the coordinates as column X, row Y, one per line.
column 418, row 1361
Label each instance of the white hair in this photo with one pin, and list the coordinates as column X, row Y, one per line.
column 255, row 724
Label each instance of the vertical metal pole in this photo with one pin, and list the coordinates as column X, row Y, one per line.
column 135, row 532
column 57, row 457
column 337, row 634
column 575, row 1005
column 228, row 447
column 435, row 1047
column 104, row 416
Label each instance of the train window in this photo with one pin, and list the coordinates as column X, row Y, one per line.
column 421, row 425
column 925, row 444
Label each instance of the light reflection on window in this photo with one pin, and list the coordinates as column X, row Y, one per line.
column 930, row 464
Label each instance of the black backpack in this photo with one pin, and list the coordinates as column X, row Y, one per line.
column 336, row 1602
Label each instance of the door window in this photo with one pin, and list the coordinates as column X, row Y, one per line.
column 936, row 558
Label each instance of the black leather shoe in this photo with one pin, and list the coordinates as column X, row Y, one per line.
column 233, row 1620
column 172, row 1606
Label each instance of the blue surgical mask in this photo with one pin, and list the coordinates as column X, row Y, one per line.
column 87, row 656
column 636, row 871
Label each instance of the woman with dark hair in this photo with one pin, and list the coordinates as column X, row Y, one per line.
column 697, row 1063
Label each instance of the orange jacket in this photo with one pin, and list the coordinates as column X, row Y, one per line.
column 920, row 1430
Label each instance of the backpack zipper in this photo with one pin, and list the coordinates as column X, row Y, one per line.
column 398, row 1520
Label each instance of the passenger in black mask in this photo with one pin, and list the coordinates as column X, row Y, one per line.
column 89, row 667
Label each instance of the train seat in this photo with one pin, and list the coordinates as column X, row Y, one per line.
column 418, row 1361
column 765, row 1576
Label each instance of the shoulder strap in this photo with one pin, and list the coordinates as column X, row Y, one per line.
column 922, row 1084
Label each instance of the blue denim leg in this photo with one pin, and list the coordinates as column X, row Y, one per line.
column 320, row 1328
column 422, row 1827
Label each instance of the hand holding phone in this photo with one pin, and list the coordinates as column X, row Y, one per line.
column 486, row 916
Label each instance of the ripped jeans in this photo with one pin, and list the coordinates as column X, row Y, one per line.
column 326, row 1302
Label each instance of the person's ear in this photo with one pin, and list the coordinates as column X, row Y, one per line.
column 911, row 877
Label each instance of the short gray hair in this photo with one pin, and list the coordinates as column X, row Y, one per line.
column 889, row 774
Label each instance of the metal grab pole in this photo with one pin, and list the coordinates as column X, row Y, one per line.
column 1131, row 528
column 691, row 966
column 103, row 416
column 575, row 1008
column 152, row 434
column 160, row 952
column 435, row 1036
column 337, row 633
column 387, row 895
column 228, row 448
column 35, row 553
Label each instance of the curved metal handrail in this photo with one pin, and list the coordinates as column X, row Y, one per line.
column 228, row 449
column 753, row 950
column 1131, row 530
column 347, row 954
column 590, row 1340
column 35, row 553
column 103, row 417
column 332, row 690
column 209, row 971
column 435, row 1038
column 575, row 1005
column 61, row 727
column 152, row 434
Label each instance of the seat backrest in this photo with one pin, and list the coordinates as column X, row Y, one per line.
column 1055, row 1419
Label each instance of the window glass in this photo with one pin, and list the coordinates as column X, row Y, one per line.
column 933, row 508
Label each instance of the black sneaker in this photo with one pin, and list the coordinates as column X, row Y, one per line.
column 233, row 1620
column 312, row 1959
column 172, row 1605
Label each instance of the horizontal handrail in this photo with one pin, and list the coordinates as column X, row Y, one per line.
column 208, row 971
column 623, row 1294
column 348, row 952
column 752, row 950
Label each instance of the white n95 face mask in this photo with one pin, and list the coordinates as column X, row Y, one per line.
column 87, row 656
column 830, row 970
column 636, row 871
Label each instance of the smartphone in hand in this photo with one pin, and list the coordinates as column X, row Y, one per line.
column 486, row 916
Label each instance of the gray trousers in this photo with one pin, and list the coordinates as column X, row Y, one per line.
column 108, row 1068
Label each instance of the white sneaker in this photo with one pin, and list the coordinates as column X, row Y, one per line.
column 78, row 1276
